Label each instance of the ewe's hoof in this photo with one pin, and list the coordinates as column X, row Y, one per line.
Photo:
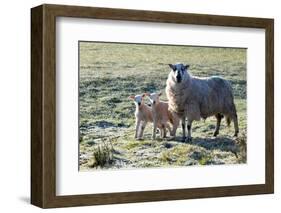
column 235, row 134
column 215, row 134
column 188, row 139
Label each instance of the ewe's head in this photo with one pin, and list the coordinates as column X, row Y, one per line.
column 153, row 97
column 179, row 72
column 138, row 99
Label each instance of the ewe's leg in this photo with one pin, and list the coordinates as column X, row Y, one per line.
column 176, row 122
column 235, row 121
column 183, row 128
column 218, row 117
column 193, row 114
column 189, row 125
column 137, row 128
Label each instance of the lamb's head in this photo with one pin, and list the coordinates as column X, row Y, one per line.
column 179, row 72
column 154, row 97
column 138, row 99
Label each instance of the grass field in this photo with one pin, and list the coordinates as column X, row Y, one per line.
column 110, row 72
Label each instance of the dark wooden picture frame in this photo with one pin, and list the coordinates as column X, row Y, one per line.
column 43, row 105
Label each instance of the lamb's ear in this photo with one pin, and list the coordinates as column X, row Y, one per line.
column 186, row 67
column 172, row 67
column 131, row 97
column 160, row 93
column 143, row 95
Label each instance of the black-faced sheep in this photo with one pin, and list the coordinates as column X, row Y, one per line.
column 193, row 98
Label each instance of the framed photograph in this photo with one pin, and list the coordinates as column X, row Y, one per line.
column 136, row 106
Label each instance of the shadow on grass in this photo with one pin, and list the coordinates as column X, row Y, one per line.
column 220, row 143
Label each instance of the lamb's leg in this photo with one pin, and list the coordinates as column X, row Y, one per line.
column 142, row 129
column 154, row 129
column 189, row 125
column 235, row 121
column 164, row 130
column 217, row 130
column 137, row 128
column 183, row 128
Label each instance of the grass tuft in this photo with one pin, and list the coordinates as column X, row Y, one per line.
column 102, row 155
column 204, row 160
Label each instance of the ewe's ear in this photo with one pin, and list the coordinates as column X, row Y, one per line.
column 172, row 66
column 131, row 97
column 186, row 67
column 160, row 93
column 143, row 95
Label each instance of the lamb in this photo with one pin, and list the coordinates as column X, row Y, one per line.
column 195, row 98
column 161, row 116
column 143, row 115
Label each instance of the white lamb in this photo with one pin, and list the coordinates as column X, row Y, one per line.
column 162, row 116
column 143, row 115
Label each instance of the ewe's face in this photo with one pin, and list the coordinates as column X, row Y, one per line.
column 138, row 99
column 154, row 98
column 179, row 72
